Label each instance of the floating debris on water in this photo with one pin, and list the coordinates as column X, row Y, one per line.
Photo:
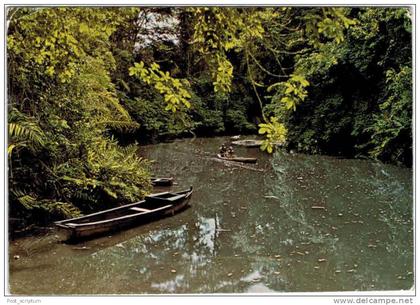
column 318, row 207
column 84, row 248
column 222, row 230
column 290, row 219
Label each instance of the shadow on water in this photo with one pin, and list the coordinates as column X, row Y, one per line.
column 289, row 223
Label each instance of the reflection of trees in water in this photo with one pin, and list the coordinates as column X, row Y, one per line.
column 190, row 251
column 295, row 185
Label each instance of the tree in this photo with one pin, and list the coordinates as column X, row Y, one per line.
column 218, row 31
column 62, row 104
column 360, row 101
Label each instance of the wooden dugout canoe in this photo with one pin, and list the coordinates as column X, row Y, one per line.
column 162, row 181
column 253, row 143
column 237, row 159
column 154, row 206
column 248, row 143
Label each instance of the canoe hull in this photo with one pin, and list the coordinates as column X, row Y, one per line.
column 253, row 143
column 87, row 229
column 162, row 181
column 238, row 159
column 248, row 143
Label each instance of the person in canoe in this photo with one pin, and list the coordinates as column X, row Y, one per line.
column 226, row 152
column 223, row 150
column 230, row 152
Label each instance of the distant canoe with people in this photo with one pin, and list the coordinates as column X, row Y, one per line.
column 237, row 159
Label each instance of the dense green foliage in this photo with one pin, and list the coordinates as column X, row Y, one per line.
column 84, row 81
column 360, row 98
column 61, row 104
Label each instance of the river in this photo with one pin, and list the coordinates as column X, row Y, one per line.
column 290, row 223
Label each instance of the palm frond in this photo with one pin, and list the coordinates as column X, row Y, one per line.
column 26, row 132
column 24, row 129
column 64, row 208
column 29, row 202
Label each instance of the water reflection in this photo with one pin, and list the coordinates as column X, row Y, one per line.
column 250, row 230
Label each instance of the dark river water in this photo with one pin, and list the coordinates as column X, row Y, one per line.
column 290, row 223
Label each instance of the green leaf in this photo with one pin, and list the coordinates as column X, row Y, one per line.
column 264, row 145
column 110, row 192
column 169, row 107
column 263, row 130
column 271, row 87
column 10, row 149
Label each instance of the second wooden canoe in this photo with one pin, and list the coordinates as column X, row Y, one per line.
column 237, row 159
column 253, row 143
column 162, row 181
column 248, row 143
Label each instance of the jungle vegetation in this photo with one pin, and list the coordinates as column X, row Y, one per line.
column 85, row 85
